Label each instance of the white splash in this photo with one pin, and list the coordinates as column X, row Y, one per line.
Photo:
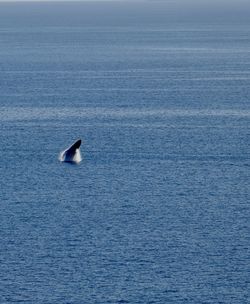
column 76, row 159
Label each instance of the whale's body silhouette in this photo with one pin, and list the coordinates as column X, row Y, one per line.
column 72, row 154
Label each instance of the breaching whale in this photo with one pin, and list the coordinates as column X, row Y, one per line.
column 72, row 154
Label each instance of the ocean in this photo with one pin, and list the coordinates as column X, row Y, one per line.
column 158, row 209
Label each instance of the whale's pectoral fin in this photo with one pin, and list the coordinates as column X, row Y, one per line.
column 75, row 146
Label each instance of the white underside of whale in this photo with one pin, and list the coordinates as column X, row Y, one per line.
column 75, row 158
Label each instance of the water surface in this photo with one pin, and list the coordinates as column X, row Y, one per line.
column 157, row 211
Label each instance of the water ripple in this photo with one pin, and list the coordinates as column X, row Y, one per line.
column 44, row 113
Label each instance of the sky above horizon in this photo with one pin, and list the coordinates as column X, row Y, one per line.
column 236, row 3
column 217, row 10
column 167, row 1
column 180, row 3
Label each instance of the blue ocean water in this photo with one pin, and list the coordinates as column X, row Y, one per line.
column 158, row 210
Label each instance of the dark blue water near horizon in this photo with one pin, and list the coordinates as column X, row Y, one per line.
column 158, row 210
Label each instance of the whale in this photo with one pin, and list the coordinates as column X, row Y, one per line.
column 72, row 154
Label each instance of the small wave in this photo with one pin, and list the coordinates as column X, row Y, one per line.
column 30, row 113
